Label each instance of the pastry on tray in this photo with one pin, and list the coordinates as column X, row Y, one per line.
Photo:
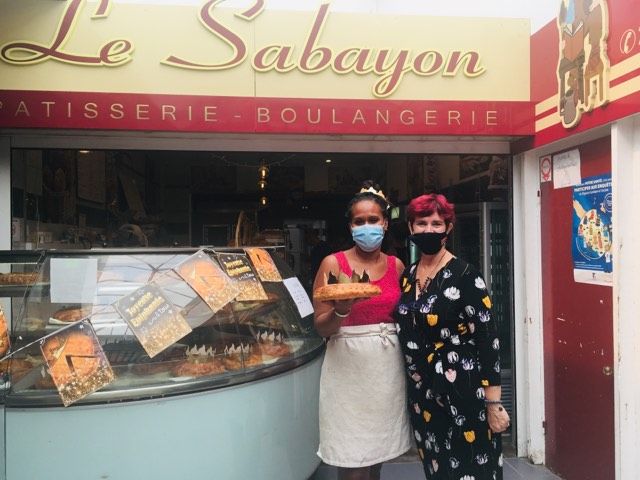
column 18, row 278
column 346, row 288
column 272, row 344
column 200, row 362
column 70, row 315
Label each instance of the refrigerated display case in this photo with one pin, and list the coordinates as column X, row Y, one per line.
column 234, row 398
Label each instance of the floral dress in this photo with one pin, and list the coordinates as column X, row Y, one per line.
column 451, row 348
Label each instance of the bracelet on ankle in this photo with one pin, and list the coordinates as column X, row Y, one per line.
column 341, row 315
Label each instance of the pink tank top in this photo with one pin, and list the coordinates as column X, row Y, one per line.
column 378, row 309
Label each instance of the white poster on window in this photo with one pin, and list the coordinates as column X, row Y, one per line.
column 73, row 280
column 299, row 296
column 566, row 169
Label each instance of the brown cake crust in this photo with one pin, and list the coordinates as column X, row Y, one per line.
column 346, row 291
column 199, row 368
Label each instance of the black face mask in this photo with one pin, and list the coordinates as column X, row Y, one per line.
column 429, row 243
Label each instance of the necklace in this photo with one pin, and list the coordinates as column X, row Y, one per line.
column 421, row 288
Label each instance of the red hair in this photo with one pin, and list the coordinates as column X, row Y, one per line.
column 427, row 205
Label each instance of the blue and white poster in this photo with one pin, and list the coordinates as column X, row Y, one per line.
column 592, row 231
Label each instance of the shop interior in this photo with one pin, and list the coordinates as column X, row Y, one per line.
column 79, row 199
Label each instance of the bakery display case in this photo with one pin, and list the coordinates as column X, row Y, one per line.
column 238, row 372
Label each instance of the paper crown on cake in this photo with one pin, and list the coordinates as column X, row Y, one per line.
column 375, row 192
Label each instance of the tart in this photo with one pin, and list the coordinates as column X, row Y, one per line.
column 344, row 287
column 18, row 278
column 70, row 315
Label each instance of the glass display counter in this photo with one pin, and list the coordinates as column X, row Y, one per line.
column 245, row 375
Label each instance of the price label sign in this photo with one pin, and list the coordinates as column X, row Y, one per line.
column 154, row 320
column 264, row 265
column 204, row 275
column 76, row 362
column 238, row 268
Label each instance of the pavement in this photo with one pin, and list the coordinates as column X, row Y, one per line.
column 408, row 469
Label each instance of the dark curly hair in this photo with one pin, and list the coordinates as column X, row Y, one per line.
column 359, row 197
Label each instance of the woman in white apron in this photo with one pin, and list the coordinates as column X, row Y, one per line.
column 363, row 410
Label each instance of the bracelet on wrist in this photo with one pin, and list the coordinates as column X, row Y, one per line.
column 341, row 315
column 493, row 402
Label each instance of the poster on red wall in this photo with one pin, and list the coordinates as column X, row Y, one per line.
column 592, row 231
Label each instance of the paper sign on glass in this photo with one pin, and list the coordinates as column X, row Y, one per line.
column 264, row 265
column 76, row 362
column 208, row 280
column 299, row 296
column 154, row 320
column 237, row 266
column 73, row 280
column 4, row 335
column 566, row 169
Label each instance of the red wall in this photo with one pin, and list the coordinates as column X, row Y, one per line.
column 578, row 341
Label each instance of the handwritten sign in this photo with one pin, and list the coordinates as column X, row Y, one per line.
column 566, row 169
column 264, row 265
column 204, row 275
column 299, row 296
column 154, row 320
column 4, row 335
column 237, row 266
column 76, row 362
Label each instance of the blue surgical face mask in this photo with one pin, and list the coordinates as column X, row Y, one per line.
column 368, row 237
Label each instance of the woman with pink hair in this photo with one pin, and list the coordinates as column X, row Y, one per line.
column 452, row 353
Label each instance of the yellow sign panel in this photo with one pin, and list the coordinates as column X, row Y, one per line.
column 207, row 49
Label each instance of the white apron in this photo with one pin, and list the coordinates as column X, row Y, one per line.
column 363, row 408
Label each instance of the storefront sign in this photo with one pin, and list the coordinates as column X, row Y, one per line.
column 76, row 362
column 595, row 77
column 96, row 65
column 154, row 320
column 592, row 231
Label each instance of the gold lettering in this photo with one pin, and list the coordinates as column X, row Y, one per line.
column 117, row 112
column 471, row 61
column 47, row 106
column 210, row 113
column 384, row 116
column 316, row 120
column 392, row 73
column 90, row 110
column 333, row 117
column 406, row 117
column 435, row 59
column 142, row 111
column 454, row 115
column 264, row 115
column 492, row 117
column 22, row 109
column 68, row 109
column 430, row 117
column 280, row 62
column 169, row 111
column 358, row 117
column 292, row 117
column 236, row 43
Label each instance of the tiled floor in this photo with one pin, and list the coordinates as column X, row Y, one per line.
column 514, row 469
